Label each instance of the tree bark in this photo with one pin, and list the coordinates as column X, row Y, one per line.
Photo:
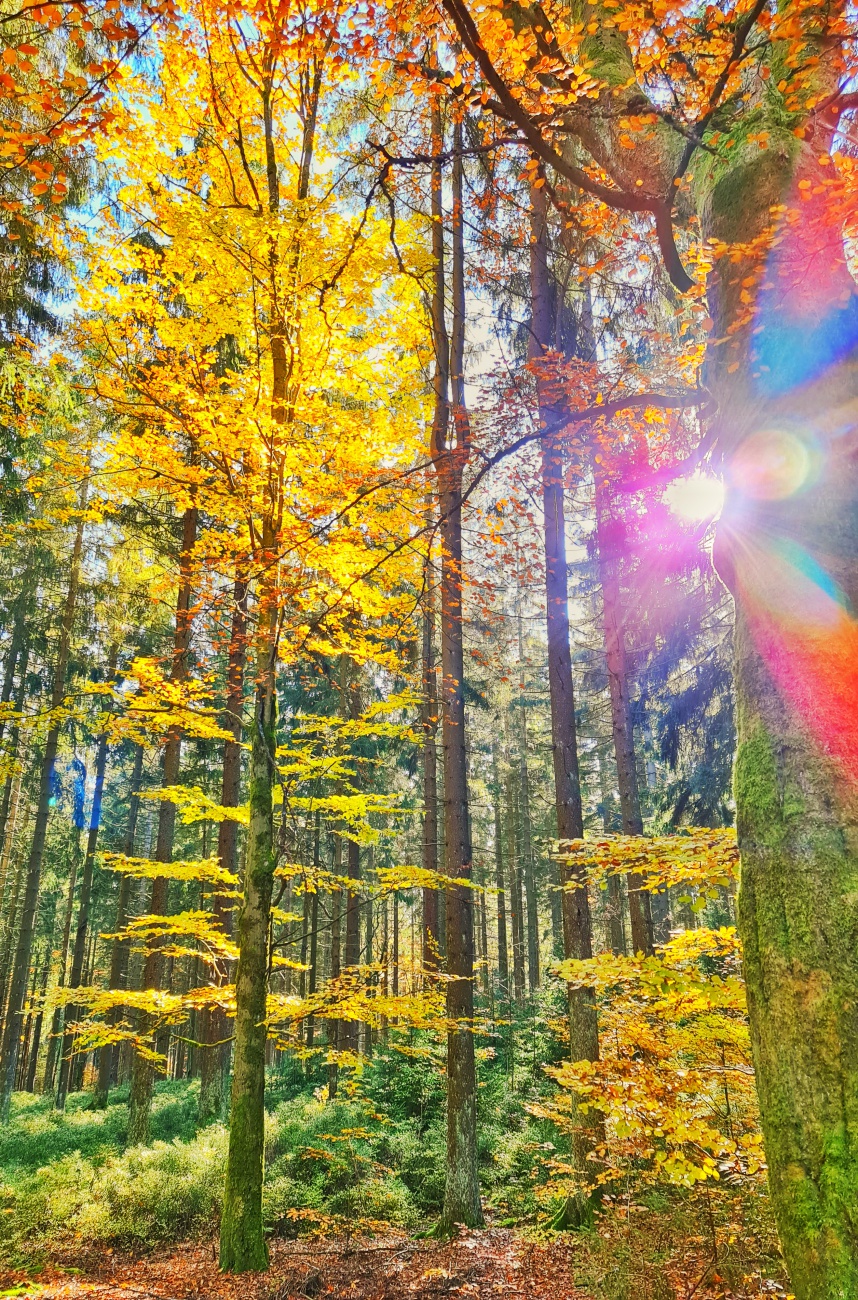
column 788, row 550
column 242, row 1242
column 9, row 1046
column 577, row 924
column 528, row 870
column 462, row 1189
column 431, row 946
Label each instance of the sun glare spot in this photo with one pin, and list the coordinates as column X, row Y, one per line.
column 771, row 465
column 695, row 498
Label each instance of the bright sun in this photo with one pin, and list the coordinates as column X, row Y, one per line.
column 698, row 497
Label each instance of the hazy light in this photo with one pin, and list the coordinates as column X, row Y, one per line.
column 771, row 464
column 698, row 497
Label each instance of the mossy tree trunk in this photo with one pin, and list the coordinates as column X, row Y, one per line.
column 242, row 1241
column 787, row 547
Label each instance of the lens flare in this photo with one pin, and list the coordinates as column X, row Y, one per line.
column 698, row 497
column 772, row 464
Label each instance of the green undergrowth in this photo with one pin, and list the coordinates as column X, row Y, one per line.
column 371, row 1157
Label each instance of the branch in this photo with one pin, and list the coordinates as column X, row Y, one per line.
column 512, row 110
column 664, row 401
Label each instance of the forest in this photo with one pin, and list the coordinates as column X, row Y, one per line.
column 428, row 649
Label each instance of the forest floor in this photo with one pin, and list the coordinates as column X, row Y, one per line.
column 496, row 1263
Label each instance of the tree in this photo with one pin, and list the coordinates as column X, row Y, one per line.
column 762, row 90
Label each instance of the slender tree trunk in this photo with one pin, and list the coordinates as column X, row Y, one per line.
column 526, row 858
column 108, row 1055
column 37, row 1028
column 394, row 956
column 462, row 1190
column 312, row 974
column 9, row 810
column 143, row 1073
column 513, row 879
column 334, row 1025
column 640, row 911
column 485, row 974
column 431, row 946
column 500, row 884
column 614, row 907
column 215, row 1056
column 577, row 924
column 9, row 1046
column 82, row 929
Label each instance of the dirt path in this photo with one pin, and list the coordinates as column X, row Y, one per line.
column 495, row 1263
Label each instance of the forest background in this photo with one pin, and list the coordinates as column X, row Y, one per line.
column 428, row 538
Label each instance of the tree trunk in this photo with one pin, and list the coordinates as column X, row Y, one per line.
column 312, row 974
column 336, row 927
column 215, row 1056
column 787, row 546
column 462, row 1190
column 21, row 965
column 577, row 924
column 526, row 858
column 72, row 1012
column 431, row 947
column 513, row 881
column 108, row 1056
column 640, row 911
column 37, row 1028
column 500, row 885
column 242, row 1243
column 143, row 1073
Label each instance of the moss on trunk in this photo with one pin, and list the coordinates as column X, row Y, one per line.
column 242, row 1239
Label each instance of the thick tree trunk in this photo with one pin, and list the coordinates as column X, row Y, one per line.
column 143, row 1073
column 787, row 546
column 215, row 1055
column 9, row 1046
